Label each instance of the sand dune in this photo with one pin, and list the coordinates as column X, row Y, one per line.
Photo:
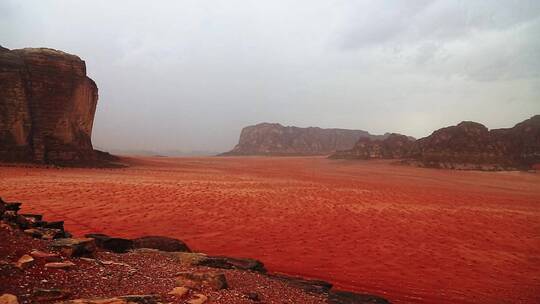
column 410, row 234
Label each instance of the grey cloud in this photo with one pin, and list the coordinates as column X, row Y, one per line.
column 188, row 75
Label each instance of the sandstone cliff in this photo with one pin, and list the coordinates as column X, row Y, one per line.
column 275, row 139
column 468, row 145
column 393, row 146
column 47, row 106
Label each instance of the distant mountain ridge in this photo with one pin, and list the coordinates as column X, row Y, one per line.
column 275, row 139
column 468, row 145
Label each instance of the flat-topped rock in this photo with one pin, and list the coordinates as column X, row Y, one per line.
column 161, row 243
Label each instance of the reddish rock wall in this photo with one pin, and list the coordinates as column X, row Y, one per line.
column 47, row 107
column 468, row 145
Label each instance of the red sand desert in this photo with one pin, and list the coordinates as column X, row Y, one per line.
column 412, row 235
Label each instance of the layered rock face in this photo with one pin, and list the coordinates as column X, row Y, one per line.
column 393, row 146
column 468, row 145
column 275, row 139
column 47, row 106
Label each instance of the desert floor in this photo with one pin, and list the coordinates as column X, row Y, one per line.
column 409, row 234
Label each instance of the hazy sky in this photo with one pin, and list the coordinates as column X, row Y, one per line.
column 188, row 75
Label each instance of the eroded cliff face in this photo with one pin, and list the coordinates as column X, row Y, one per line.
column 47, row 107
column 275, row 139
column 468, row 145
column 393, row 146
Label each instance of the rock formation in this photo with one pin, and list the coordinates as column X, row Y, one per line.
column 275, row 139
column 47, row 106
column 393, row 146
column 468, row 145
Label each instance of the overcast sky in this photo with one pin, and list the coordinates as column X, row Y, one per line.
column 188, row 75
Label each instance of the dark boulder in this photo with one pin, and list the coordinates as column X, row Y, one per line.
column 233, row 263
column 75, row 247
column 15, row 206
column 160, row 243
column 54, row 225
column 114, row 244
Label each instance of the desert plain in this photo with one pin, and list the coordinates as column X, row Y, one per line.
column 412, row 235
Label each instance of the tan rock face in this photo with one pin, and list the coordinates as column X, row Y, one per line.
column 47, row 106
column 275, row 139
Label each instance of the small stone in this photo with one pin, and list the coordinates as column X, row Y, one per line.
column 8, row 299
column 197, row 280
column 49, row 257
column 40, row 294
column 24, row 262
column 199, row 299
column 60, row 265
column 253, row 296
column 179, row 291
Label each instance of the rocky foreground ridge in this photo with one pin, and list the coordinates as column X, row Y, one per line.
column 275, row 140
column 40, row 262
column 468, row 145
column 47, row 107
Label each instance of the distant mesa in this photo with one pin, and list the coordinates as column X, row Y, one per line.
column 47, row 107
column 468, row 145
column 274, row 139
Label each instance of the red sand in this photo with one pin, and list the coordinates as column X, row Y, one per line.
column 412, row 235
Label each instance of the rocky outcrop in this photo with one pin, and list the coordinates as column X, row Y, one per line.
column 468, row 145
column 47, row 107
column 393, row 146
column 275, row 139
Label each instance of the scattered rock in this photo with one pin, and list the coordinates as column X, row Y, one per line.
column 10, row 215
column 75, row 247
column 16, row 206
column 8, row 299
column 45, row 233
column 197, row 280
column 28, row 221
column 113, row 244
column 40, row 294
column 161, row 243
column 49, row 257
column 25, row 261
column 232, row 263
column 60, row 265
column 199, row 299
column 179, row 291
column 345, row 297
